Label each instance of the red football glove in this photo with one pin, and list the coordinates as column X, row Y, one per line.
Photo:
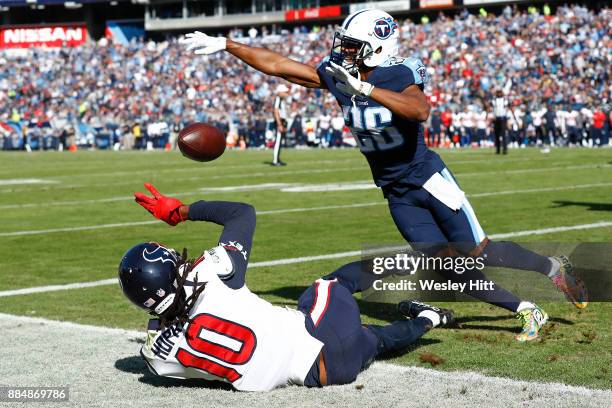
column 162, row 207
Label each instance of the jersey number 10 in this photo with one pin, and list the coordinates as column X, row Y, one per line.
column 234, row 331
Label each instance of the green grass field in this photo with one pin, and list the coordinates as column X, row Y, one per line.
column 524, row 191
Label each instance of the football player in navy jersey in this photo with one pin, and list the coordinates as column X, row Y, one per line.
column 381, row 96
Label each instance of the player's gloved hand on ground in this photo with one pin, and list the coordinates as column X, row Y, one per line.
column 164, row 208
column 348, row 84
column 202, row 43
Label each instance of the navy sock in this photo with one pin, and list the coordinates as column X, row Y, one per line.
column 510, row 255
column 498, row 296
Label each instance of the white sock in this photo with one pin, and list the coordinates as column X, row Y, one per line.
column 525, row 305
column 431, row 315
column 554, row 268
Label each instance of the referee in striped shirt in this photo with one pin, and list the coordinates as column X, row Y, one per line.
column 500, row 111
column 280, row 117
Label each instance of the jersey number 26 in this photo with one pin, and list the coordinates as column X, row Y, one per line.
column 370, row 127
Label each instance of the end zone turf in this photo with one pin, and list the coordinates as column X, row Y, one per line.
column 102, row 368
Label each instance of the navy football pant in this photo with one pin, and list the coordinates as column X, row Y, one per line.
column 420, row 217
column 429, row 225
column 332, row 316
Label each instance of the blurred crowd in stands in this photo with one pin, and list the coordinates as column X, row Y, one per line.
column 555, row 68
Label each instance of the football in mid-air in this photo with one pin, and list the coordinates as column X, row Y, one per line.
column 201, row 142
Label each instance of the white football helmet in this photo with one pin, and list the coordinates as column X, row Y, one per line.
column 368, row 37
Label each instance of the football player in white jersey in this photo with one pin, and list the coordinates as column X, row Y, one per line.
column 381, row 96
column 209, row 325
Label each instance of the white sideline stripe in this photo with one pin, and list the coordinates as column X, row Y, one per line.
column 310, row 171
column 366, row 185
column 363, row 167
column 300, row 259
column 204, row 177
column 238, row 166
column 69, row 325
column 540, row 190
column 113, row 281
column 12, row 182
column 206, row 168
column 42, row 188
column 311, row 188
column 271, row 173
column 279, row 173
column 63, row 203
column 286, row 187
column 326, row 207
column 136, row 223
column 71, row 229
column 247, row 187
column 538, row 170
column 288, row 261
column 265, row 212
column 542, row 231
column 56, row 187
column 357, row 158
column 357, row 168
column 54, row 288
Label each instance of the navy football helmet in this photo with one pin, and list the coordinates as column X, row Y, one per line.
column 147, row 275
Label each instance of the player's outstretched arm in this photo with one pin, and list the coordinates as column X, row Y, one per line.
column 261, row 59
column 238, row 221
column 272, row 63
column 410, row 104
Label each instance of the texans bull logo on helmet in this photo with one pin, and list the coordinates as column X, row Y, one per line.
column 160, row 253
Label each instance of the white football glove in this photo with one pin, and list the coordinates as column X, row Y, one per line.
column 348, row 84
column 202, row 43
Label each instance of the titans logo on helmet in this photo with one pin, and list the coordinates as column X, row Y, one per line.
column 159, row 254
column 384, row 28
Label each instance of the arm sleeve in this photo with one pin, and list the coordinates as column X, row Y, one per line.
column 404, row 73
column 324, row 77
column 238, row 221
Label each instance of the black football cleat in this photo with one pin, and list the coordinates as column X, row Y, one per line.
column 412, row 308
